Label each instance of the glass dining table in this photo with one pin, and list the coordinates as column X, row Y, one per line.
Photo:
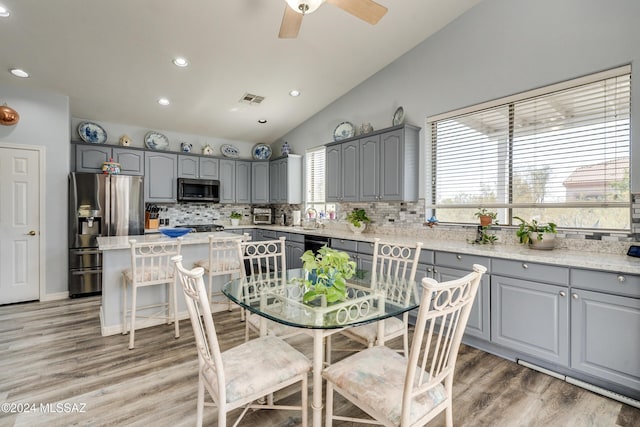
column 279, row 297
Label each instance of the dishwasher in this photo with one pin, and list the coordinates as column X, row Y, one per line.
column 315, row 242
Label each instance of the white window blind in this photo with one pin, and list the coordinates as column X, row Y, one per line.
column 560, row 153
column 315, row 170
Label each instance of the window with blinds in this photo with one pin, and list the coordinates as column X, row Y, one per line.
column 315, row 181
column 557, row 154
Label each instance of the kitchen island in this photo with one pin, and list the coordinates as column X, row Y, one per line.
column 116, row 257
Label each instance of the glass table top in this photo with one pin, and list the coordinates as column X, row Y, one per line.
column 279, row 297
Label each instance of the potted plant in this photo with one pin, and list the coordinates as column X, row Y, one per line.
column 536, row 235
column 486, row 217
column 358, row 220
column 235, row 218
column 327, row 272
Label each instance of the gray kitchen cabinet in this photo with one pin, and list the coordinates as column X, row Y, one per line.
column 450, row 266
column 388, row 166
column 89, row 158
column 243, row 182
column 227, row 181
column 198, row 167
column 260, row 182
column 285, row 179
column 160, row 183
column 294, row 249
column 342, row 172
column 605, row 320
column 261, row 234
column 530, row 309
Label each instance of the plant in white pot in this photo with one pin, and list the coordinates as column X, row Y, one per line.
column 235, row 218
column 358, row 220
column 536, row 235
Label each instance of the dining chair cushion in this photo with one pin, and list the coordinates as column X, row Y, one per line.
column 376, row 377
column 150, row 274
column 224, row 264
column 392, row 326
column 258, row 365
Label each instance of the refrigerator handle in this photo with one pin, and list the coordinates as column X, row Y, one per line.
column 107, row 205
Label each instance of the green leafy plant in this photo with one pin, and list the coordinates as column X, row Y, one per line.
column 235, row 215
column 357, row 217
column 486, row 216
column 328, row 271
column 527, row 227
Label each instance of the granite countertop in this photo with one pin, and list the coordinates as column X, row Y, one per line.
column 561, row 257
column 122, row 242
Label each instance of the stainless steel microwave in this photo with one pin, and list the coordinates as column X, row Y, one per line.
column 198, row 190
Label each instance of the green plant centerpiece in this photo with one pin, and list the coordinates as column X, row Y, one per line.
column 536, row 235
column 327, row 273
column 358, row 220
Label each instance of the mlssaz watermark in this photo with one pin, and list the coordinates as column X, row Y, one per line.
column 44, row 408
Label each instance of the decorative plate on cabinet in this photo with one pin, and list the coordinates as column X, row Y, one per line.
column 92, row 132
column 398, row 116
column 156, row 141
column 343, row 131
column 261, row 152
column 229, row 150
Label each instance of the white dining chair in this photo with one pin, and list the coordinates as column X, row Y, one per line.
column 394, row 272
column 396, row 390
column 151, row 266
column 243, row 375
column 222, row 261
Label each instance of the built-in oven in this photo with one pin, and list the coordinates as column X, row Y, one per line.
column 315, row 242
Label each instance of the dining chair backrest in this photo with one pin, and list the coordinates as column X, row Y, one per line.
column 197, row 301
column 394, row 269
column 263, row 257
column 442, row 319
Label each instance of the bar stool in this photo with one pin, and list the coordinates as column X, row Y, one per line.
column 150, row 266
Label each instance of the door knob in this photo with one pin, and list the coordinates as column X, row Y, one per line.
column 32, row 233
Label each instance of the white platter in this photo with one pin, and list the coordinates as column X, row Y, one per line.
column 92, row 132
column 261, row 152
column 229, row 150
column 156, row 141
column 343, row 131
column 398, row 116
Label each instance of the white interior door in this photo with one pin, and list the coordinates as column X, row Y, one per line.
column 19, row 225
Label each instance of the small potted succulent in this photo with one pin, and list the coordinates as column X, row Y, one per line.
column 235, row 218
column 358, row 220
column 536, row 235
column 327, row 273
column 486, row 217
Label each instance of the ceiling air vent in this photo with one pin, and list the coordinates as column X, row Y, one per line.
column 249, row 98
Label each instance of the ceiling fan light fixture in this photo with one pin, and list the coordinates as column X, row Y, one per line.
column 304, row 6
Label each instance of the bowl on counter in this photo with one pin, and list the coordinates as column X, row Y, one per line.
column 175, row 231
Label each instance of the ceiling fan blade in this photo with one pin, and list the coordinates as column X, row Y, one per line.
column 367, row 10
column 291, row 22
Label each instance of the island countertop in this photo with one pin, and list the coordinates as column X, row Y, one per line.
column 109, row 243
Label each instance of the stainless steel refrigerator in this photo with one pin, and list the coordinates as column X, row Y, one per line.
column 99, row 205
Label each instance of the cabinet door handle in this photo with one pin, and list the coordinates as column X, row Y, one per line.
column 621, row 278
column 563, row 294
column 574, row 296
column 459, row 257
column 525, row 266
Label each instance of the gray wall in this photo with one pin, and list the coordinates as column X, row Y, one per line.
column 44, row 121
column 498, row 48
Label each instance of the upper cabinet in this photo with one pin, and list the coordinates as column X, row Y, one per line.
column 260, row 182
column 342, row 172
column 235, row 181
column 380, row 166
column 285, row 179
column 89, row 158
column 198, row 167
column 243, row 181
column 160, row 182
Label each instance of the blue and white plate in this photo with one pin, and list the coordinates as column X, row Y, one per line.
column 343, row 131
column 261, row 152
column 156, row 141
column 92, row 132
column 229, row 150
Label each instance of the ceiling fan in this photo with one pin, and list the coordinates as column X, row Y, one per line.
column 367, row 10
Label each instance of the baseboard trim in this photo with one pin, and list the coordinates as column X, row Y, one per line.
column 55, row 297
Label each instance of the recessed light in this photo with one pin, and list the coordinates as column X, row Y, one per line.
column 262, row 121
column 294, row 93
column 163, row 101
column 19, row 73
column 181, row 62
column 4, row 12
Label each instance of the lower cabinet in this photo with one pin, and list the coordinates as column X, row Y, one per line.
column 531, row 317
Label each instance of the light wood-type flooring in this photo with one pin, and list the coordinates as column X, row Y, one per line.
column 53, row 353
